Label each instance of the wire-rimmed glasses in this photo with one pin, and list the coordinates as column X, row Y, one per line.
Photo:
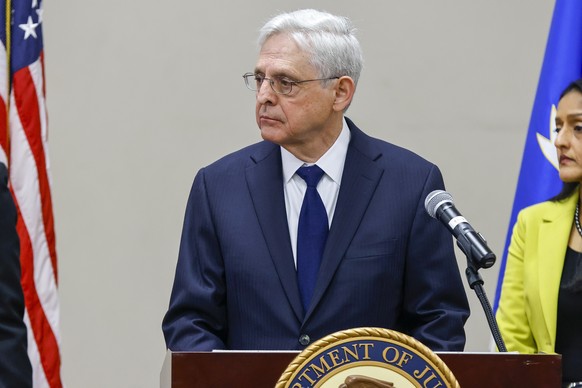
column 280, row 85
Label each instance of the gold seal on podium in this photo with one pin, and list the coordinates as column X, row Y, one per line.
column 367, row 357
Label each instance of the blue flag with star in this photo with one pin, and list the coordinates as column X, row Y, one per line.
column 538, row 178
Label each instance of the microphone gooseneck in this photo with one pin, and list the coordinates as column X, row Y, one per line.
column 439, row 204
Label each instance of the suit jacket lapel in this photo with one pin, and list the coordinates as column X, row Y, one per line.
column 359, row 181
column 265, row 183
column 553, row 238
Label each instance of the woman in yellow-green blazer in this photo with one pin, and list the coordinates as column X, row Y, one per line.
column 529, row 297
column 540, row 308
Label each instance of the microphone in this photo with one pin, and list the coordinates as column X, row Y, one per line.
column 439, row 204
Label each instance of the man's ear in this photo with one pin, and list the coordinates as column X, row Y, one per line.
column 344, row 92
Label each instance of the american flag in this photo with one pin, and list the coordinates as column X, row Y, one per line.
column 23, row 147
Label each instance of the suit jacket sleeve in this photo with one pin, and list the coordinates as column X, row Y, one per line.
column 435, row 306
column 196, row 318
column 15, row 369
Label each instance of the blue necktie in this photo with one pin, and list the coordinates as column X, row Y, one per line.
column 311, row 234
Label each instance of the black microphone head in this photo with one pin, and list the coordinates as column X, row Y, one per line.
column 435, row 199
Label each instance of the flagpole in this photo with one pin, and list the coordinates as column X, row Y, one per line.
column 8, row 31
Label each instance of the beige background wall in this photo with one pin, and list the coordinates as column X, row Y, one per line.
column 141, row 94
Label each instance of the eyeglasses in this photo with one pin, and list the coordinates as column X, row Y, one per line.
column 279, row 85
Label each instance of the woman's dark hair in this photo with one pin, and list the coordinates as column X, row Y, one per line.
column 569, row 188
column 575, row 85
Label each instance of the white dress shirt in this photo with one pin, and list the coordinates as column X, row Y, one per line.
column 332, row 164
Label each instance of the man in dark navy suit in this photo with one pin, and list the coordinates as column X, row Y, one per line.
column 273, row 258
column 15, row 369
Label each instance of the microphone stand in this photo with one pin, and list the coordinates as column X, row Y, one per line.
column 476, row 283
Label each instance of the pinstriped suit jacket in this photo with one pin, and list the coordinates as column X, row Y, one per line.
column 386, row 262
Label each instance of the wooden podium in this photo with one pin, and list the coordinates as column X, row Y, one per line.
column 263, row 369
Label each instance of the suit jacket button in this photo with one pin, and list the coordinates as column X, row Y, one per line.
column 304, row 339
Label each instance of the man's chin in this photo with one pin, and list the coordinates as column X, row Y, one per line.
column 270, row 134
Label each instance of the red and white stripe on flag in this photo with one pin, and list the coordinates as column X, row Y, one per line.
column 24, row 148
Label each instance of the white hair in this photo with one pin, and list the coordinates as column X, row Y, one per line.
column 331, row 41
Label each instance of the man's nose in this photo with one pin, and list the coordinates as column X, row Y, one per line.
column 265, row 93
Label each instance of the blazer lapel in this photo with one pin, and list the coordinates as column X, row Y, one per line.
column 265, row 183
column 359, row 181
column 554, row 234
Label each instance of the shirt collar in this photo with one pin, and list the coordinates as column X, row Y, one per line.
column 332, row 162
